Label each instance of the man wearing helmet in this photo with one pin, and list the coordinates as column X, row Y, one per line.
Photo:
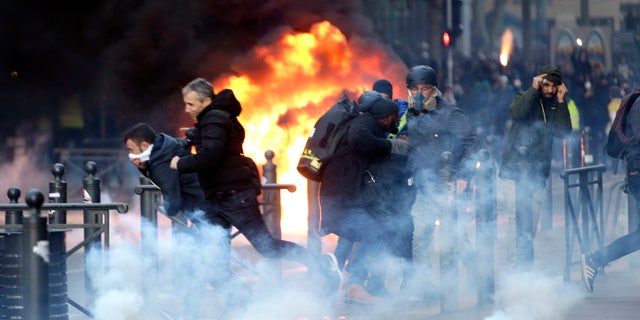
column 434, row 126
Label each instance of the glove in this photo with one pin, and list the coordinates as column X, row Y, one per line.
column 399, row 147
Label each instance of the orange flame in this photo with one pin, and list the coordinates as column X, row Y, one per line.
column 506, row 47
column 286, row 84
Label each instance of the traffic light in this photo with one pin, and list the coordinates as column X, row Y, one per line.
column 447, row 39
column 456, row 27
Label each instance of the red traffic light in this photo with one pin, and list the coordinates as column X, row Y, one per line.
column 446, row 39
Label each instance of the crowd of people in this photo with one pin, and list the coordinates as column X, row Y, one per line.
column 383, row 190
column 484, row 89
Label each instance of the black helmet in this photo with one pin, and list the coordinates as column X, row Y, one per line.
column 421, row 75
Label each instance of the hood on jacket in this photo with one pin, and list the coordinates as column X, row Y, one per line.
column 226, row 100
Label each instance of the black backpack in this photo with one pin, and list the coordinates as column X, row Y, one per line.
column 617, row 141
column 325, row 138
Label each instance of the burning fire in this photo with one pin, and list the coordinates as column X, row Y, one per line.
column 285, row 84
column 506, row 47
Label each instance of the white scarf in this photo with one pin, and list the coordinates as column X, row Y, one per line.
column 144, row 156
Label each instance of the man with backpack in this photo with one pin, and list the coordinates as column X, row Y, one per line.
column 344, row 201
column 630, row 124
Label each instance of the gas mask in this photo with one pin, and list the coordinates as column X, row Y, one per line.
column 424, row 104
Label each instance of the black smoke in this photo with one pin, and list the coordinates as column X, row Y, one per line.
column 126, row 60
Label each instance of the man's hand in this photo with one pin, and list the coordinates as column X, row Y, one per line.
column 174, row 162
column 537, row 81
column 562, row 92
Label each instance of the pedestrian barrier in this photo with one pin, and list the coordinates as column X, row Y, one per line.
column 584, row 212
column 33, row 249
column 33, row 280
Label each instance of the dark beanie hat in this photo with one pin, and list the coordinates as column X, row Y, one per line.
column 383, row 86
column 383, row 108
column 367, row 99
column 552, row 74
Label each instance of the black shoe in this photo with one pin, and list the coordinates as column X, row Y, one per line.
column 589, row 272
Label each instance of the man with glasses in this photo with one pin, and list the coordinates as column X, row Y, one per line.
column 434, row 126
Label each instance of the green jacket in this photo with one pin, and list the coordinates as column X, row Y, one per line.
column 534, row 125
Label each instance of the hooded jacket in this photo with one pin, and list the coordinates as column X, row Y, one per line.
column 218, row 137
column 180, row 191
column 343, row 178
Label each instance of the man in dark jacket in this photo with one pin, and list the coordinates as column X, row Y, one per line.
column 231, row 181
column 346, row 207
column 538, row 115
column 434, row 127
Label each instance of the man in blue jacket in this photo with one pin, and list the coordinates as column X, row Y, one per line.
column 151, row 153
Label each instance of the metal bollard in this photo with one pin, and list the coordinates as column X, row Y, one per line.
column 149, row 199
column 524, row 215
column 448, row 237
column 11, row 279
column 57, row 247
column 58, row 194
column 90, row 194
column 486, row 215
column 13, row 216
column 271, row 198
column 271, row 209
column 35, row 259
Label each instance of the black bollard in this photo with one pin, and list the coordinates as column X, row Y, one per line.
column 524, row 215
column 90, row 194
column 57, row 247
column 150, row 195
column 448, row 236
column 486, row 215
column 271, row 197
column 35, row 257
column 11, row 279
column 58, row 194
column 271, row 208
column 13, row 216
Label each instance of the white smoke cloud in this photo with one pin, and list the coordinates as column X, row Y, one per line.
column 188, row 279
column 534, row 296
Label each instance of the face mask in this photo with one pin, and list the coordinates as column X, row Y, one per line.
column 430, row 104
column 144, row 156
column 416, row 101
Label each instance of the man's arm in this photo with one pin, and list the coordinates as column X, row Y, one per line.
column 169, row 182
column 213, row 140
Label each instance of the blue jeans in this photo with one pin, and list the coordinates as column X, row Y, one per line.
column 628, row 243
